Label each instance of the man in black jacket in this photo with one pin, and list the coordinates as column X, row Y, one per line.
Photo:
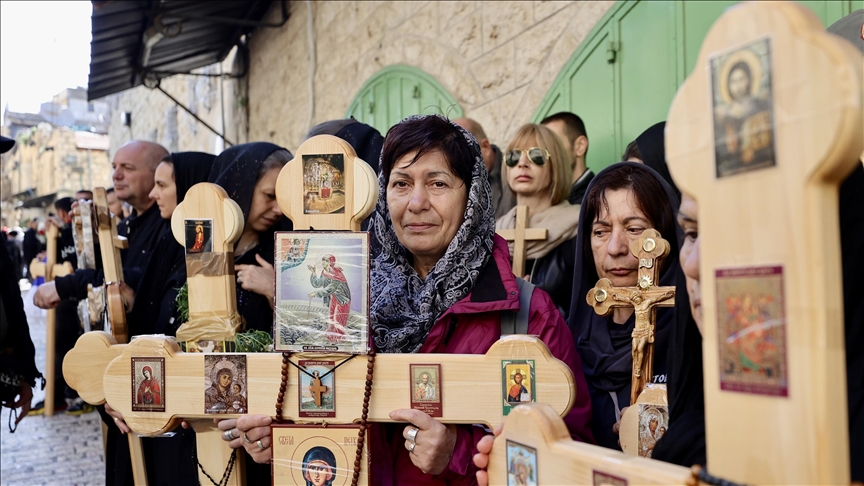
column 134, row 166
column 571, row 130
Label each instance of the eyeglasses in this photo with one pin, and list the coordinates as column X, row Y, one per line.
column 535, row 154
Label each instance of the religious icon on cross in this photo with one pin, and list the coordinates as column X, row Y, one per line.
column 645, row 297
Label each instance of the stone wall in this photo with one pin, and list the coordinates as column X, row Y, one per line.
column 497, row 58
column 155, row 118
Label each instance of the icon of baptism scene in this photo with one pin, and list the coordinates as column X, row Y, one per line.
column 322, row 290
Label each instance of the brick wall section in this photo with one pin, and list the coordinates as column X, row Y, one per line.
column 497, row 58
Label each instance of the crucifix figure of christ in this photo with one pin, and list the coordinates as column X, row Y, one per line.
column 519, row 235
column 645, row 297
column 317, row 388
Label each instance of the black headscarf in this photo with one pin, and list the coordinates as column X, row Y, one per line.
column 652, row 147
column 366, row 140
column 165, row 272
column 603, row 345
column 684, row 441
column 238, row 169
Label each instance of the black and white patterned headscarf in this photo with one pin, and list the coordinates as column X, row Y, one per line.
column 404, row 306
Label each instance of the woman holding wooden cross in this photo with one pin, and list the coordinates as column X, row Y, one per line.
column 537, row 169
column 622, row 201
column 441, row 281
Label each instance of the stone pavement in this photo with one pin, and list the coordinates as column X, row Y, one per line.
column 61, row 450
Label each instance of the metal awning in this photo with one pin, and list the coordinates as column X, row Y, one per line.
column 38, row 202
column 140, row 40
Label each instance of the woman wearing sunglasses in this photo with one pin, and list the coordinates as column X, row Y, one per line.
column 538, row 172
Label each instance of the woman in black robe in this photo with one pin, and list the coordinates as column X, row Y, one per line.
column 155, row 309
column 248, row 174
column 604, row 345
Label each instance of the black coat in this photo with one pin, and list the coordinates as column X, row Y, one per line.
column 553, row 273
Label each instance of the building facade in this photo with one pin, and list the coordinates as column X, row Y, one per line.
column 618, row 64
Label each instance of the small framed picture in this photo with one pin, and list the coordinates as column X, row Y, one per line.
column 653, row 423
column 225, row 389
column 426, row 388
column 310, row 454
column 322, row 292
column 323, row 183
column 317, row 388
column 521, row 465
column 600, row 478
column 199, row 235
column 517, row 379
column 148, row 384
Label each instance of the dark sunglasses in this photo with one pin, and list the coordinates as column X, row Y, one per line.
column 535, row 154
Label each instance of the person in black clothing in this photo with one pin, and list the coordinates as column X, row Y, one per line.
column 134, row 166
column 571, row 130
column 248, row 174
column 16, row 346
column 649, row 148
column 502, row 197
column 155, row 308
column 67, row 325
column 622, row 201
column 31, row 247
column 14, row 253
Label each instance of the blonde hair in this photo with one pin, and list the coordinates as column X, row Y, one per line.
column 559, row 159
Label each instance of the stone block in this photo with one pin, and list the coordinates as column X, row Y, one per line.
column 545, row 8
column 504, row 20
column 465, row 34
column 495, row 70
column 534, row 46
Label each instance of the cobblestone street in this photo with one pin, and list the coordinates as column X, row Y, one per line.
column 59, row 450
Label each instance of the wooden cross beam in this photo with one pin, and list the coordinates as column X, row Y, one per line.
column 760, row 135
column 519, row 235
column 317, row 388
column 49, row 270
column 102, row 370
column 645, row 297
column 535, row 448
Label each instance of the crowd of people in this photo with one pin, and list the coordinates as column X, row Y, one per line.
column 441, row 278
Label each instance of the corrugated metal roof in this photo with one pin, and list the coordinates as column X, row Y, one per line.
column 136, row 39
column 93, row 141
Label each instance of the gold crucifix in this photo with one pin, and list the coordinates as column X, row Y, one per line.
column 317, row 388
column 519, row 235
column 645, row 297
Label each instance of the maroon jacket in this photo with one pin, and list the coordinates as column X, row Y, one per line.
column 471, row 326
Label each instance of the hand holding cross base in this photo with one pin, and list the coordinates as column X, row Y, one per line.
column 650, row 249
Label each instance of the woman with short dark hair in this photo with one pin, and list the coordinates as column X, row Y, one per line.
column 441, row 281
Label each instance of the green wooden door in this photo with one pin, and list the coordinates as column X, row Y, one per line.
column 623, row 77
column 398, row 91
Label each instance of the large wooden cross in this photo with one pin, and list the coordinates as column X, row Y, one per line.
column 746, row 233
column 49, row 270
column 110, row 245
column 519, row 235
column 760, row 135
column 645, row 297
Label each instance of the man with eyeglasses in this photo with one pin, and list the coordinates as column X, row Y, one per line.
column 570, row 128
column 502, row 196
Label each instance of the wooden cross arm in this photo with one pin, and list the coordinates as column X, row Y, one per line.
column 600, row 297
column 89, row 358
column 39, row 269
column 560, row 460
column 472, row 388
column 530, row 234
column 650, row 244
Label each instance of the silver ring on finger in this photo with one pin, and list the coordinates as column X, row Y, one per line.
column 247, row 439
column 411, row 446
column 260, row 444
column 412, row 434
column 229, row 435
